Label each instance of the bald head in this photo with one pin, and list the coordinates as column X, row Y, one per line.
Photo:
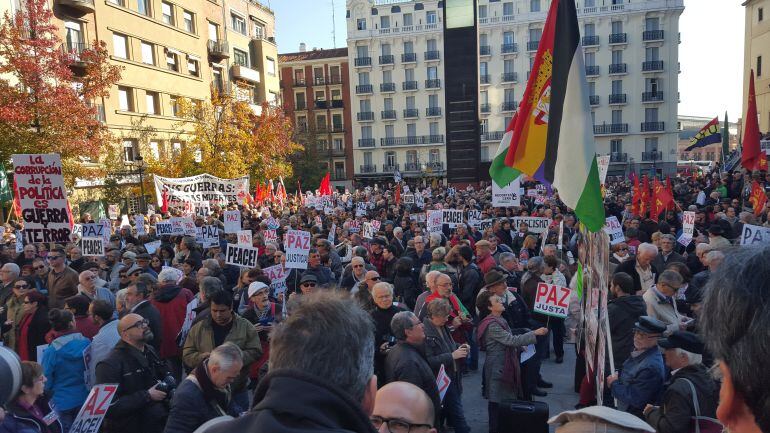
column 404, row 401
column 127, row 321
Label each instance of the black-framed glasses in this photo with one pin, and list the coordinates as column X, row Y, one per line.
column 21, row 286
column 308, row 284
column 50, row 257
column 396, row 425
column 140, row 324
column 374, row 279
column 37, row 268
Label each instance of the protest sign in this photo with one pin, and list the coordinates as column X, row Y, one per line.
column 354, row 226
column 232, row 221
column 603, row 162
column 202, row 209
column 442, row 381
column 297, row 246
column 91, row 247
column 92, row 413
column 188, row 192
column 107, row 229
column 152, row 247
column 113, row 211
column 473, row 217
column 92, row 230
column 368, row 231
column 332, row 232
column 188, row 225
column 241, row 255
column 277, row 275
column 376, row 224
column 244, row 238
column 360, row 209
column 207, row 236
column 552, row 300
column 484, row 224
column 150, row 209
column 688, row 228
column 755, row 235
column 506, row 196
column 139, row 223
column 614, row 230
column 270, row 236
column 434, row 220
column 408, row 198
column 177, row 227
column 419, row 201
column 452, row 217
column 163, row 228
column 272, row 224
column 536, row 224
column 19, row 241
column 42, row 198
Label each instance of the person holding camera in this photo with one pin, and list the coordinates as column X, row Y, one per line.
column 144, row 381
column 263, row 314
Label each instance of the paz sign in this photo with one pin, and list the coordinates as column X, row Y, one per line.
column 552, row 300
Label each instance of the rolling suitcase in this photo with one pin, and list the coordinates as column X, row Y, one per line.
column 519, row 416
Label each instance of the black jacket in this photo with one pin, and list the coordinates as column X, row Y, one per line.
column 622, row 313
column 674, row 414
column 438, row 349
column 149, row 312
column 383, row 334
column 38, row 327
column 470, row 284
column 407, row 363
column 660, row 264
column 135, row 372
column 290, row 401
column 195, row 403
column 629, row 267
column 18, row 419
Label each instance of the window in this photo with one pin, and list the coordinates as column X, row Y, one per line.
column 361, row 24
column 152, row 102
column 155, row 149
column 389, row 131
column 240, row 57
column 651, row 144
column 652, row 23
column 130, row 150
column 120, row 45
column 432, row 45
column 337, row 144
column 363, row 78
column 760, row 14
column 410, row 102
column 318, row 75
column 387, row 76
column 617, row 27
column 650, row 114
column 408, row 47
column 616, row 146
column 167, row 11
column 213, row 32
column 390, row 158
column 385, row 49
column 617, row 87
column 407, row 19
column 482, row 11
column 590, row 3
column 651, row 84
column 409, row 74
column 320, row 95
column 259, row 29
column 171, row 60
column 337, row 121
column 485, row 153
column 300, row 100
column 334, row 72
column 432, row 101
column 365, row 105
column 430, row 17
column 238, row 23
column 483, row 68
column 174, row 104
column 148, row 53
column 535, row 34
column 218, row 82
column 336, row 95
column 508, row 9
column 433, row 128
column 483, row 97
column 590, row 59
column 411, row 157
column 759, row 66
column 362, row 51
column 125, row 99
column 368, row 158
column 387, row 104
column 433, row 155
column 366, row 131
column 589, row 29
column 143, row 7
column 534, row 5
column 508, row 38
column 617, row 57
column 193, row 67
column 508, row 95
column 592, row 88
column 432, row 73
column 651, row 53
column 270, row 66
column 320, row 122
column 507, row 66
column 617, row 116
column 189, row 22
column 483, row 39
column 385, row 22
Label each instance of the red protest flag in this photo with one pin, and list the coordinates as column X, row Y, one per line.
column 752, row 157
column 397, row 194
column 670, row 191
column 645, row 196
column 325, row 188
column 636, row 198
column 758, row 198
column 661, row 199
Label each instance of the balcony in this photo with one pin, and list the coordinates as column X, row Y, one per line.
column 412, row 166
column 652, row 96
column 337, row 103
column 411, row 140
column 240, row 72
column 339, row 175
column 337, row 128
column 365, row 116
column 408, row 58
column 368, row 169
column 592, row 71
column 652, row 156
column 362, row 61
column 387, row 59
column 485, row 50
column 593, row 100
column 433, row 111
column 618, row 68
column 617, row 98
column 433, row 84
column 409, row 85
column 411, row 113
column 653, row 126
column 612, row 128
column 618, row 38
column 652, row 35
column 299, row 82
column 388, row 114
column 618, row 157
column 322, row 128
column 389, row 168
column 484, row 79
column 434, row 166
column 322, row 105
column 510, row 77
column 590, row 41
column 363, row 89
column 365, row 142
column 86, row 6
column 387, row 87
column 319, row 81
column 509, row 106
column 509, row 48
column 532, row 45
column 432, row 55
column 219, row 49
column 492, row 136
column 652, row 66
column 334, row 79
column 299, row 107
column 73, row 51
column 485, row 108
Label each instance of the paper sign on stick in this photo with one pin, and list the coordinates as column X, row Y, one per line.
column 240, row 255
column 232, row 221
column 94, row 409
column 244, row 238
column 91, row 247
column 297, row 245
column 614, row 230
column 552, row 300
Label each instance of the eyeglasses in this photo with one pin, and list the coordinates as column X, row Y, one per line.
column 21, row 286
column 140, row 324
column 308, row 284
column 50, row 257
column 374, row 279
column 622, row 249
column 122, row 275
column 39, row 267
column 358, row 266
column 396, row 425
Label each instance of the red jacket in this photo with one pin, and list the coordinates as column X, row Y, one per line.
column 171, row 302
column 486, row 263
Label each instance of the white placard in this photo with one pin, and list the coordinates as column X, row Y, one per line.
column 42, row 198
column 536, row 224
column 164, row 228
column 452, row 217
column 434, row 219
column 369, row 231
column 152, row 247
column 94, row 409
column 92, row 247
column 614, row 230
column 113, row 211
column 552, row 300
column 139, row 223
column 270, row 236
column 508, row 195
column 332, row 233
column 232, row 221
column 240, row 255
column 207, row 236
column 755, row 235
column 277, row 275
column 177, row 226
column 185, row 192
column 245, row 238
column 297, row 246
column 603, row 162
column 688, row 228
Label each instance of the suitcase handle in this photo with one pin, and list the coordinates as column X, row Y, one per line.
column 523, row 407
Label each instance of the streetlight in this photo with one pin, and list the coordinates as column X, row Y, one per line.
column 140, row 167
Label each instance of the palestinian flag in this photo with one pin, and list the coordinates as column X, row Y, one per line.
column 556, row 99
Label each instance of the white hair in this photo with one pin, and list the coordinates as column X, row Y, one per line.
column 647, row 247
column 383, row 285
column 430, row 278
column 692, row 358
column 168, row 275
column 226, row 355
column 14, row 268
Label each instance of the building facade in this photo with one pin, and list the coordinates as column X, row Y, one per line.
column 315, row 90
column 756, row 56
column 631, row 57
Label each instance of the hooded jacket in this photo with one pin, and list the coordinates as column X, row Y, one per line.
column 622, row 313
column 65, row 367
column 171, row 302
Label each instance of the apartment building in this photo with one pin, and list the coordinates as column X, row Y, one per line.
column 756, row 56
column 631, row 56
column 315, row 89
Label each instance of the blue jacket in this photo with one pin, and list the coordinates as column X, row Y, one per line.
column 64, row 366
column 640, row 382
column 19, row 420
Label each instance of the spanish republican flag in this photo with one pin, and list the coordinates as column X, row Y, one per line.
column 709, row 134
column 752, row 157
column 556, row 100
column 758, row 198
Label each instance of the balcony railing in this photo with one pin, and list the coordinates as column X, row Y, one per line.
column 299, row 82
column 362, row 61
column 590, row 41
column 412, row 166
column 653, row 126
column 484, row 79
column 611, row 128
column 492, row 136
column 319, row 81
column 409, row 85
column 363, row 89
column 299, row 107
column 387, row 87
column 618, row 38
column 435, row 166
column 321, row 105
column 433, row 111
column 510, row 77
column 334, row 79
column 593, row 99
column 485, row 50
column 652, row 96
column 618, row 68
column 73, row 51
column 411, row 140
column 434, row 83
column 532, row 45
column 652, row 65
column 387, row 59
column 652, row 35
column 592, row 71
column 509, row 106
column 411, row 113
column 388, row 114
column 366, row 142
column 337, row 103
column 652, row 156
column 432, row 55
column 81, row 5
column 368, row 169
column 365, row 116
column 337, row 128
column 485, row 108
column 509, row 48
column 389, row 168
column 219, row 49
column 617, row 98
column 618, row 157
column 408, row 57
column 338, row 175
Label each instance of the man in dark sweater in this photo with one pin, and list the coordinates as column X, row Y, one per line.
column 623, row 311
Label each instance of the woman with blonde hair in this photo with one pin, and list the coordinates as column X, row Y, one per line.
column 528, row 249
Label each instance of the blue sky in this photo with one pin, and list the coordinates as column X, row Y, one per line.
column 711, row 53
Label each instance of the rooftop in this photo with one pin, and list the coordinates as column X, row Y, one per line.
column 313, row 55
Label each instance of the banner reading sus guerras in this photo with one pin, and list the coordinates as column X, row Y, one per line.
column 204, row 189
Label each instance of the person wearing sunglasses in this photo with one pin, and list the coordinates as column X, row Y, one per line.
column 13, row 311
column 40, row 275
column 62, row 280
column 354, row 278
column 364, row 294
column 33, row 327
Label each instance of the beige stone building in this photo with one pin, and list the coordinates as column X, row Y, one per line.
column 756, row 56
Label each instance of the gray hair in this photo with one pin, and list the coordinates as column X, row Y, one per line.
column 506, row 257
column 435, row 239
column 740, row 290
column 702, row 247
column 120, row 296
column 671, row 277
column 430, row 278
column 212, row 265
column 14, row 268
column 327, row 336
column 209, row 286
column 147, row 279
column 167, row 275
column 536, row 265
column 692, row 358
column 439, row 308
column 400, row 322
column 715, row 256
column 383, row 285
column 648, row 247
column 668, row 237
column 398, row 230
column 226, row 355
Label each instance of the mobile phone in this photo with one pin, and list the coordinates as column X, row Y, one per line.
column 265, row 322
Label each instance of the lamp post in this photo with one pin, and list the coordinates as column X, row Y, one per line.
column 140, row 167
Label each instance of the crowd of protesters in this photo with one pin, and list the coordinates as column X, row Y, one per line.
column 189, row 337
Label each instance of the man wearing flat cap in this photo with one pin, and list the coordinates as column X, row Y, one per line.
column 683, row 354
column 641, row 378
column 599, row 419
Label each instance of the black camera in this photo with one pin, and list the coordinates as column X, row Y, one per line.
column 167, row 385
